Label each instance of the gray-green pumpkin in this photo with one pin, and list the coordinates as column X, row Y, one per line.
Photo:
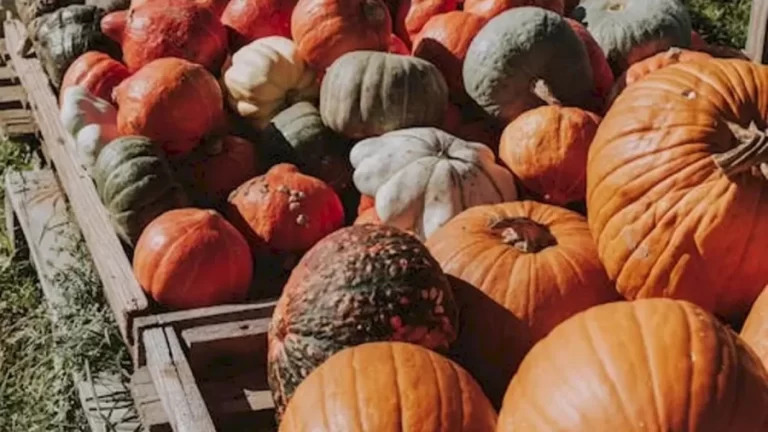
column 369, row 93
column 136, row 184
column 28, row 10
column 519, row 48
column 631, row 30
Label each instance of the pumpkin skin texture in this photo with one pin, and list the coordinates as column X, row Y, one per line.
column 265, row 77
column 135, row 184
column 97, row 72
column 666, row 187
column 249, row 20
column 601, row 70
column 364, row 283
column 533, row 37
column 755, row 330
column 518, row 270
column 444, row 41
column 413, row 15
column 397, row 46
column 630, row 30
column 172, row 101
column 491, row 8
column 546, row 148
column 658, row 364
column 436, row 394
column 168, row 29
column 324, row 30
column 422, row 177
column 189, row 258
column 368, row 93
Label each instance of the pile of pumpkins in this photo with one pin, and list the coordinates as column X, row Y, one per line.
column 509, row 215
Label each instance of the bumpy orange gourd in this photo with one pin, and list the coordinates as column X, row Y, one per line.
column 755, row 330
column 675, row 197
column 249, row 20
column 188, row 258
column 173, row 102
column 654, row 364
column 490, row 8
column 518, row 270
column 324, row 30
column 97, row 72
column 413, row 15
column 389, row 386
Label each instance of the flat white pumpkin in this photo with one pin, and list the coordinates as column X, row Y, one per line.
column 90, row 120
column 422, row 177
column 265, row 77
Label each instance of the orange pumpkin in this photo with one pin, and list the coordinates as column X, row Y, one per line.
column 413, row 15
column 601, row 70
column 249, row 20
column 444, row 41
column 397, row 46
column 518, row 270
column 490, row 8
column 546, row 148
column 386, row 386
column 654, row 364
column 173, row 102
column 97, row 72
column 675, row 198
column 324, row 30
column 188, row 258
column 755, row 330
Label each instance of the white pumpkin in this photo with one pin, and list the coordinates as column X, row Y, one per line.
column 90, row 120
column 265, row 77
column 422, row 177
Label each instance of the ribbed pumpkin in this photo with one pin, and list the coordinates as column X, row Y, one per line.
column 135, row 184
column 368, row 93
column 491, row 8
column 601, row 70
column 28, row 10
column 384, row 386
column 674, row 193
column 97, row 72
column 324, row 30
column 655, row 364
column 444, row 41
column 413, row 15
column 248, row 20
column 155, row 30
column 519, row 269
column 546, row 148
column 189, row 258
column 363, row 283
column 172, row 101
column 629, row 31
column 542, row 41
column 755, row 330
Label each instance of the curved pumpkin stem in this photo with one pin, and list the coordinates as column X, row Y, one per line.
column 751, row 152
column 543, row 91
column 523, row 234
column 674, row 53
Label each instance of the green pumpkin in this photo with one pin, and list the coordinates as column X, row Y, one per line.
column 136, row 184
column 517, row 49
column 110, row 5
column 369, row 93
column 28, row 10
column 631, row 30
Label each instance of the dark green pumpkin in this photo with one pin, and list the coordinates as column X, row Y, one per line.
column 515, row 50
column 631, row 30
column 135, row 184
column 61, row 37
column 369, row 93
column 109, row 5
column 28, row 10
column 361, row 284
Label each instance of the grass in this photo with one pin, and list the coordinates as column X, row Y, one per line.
column 721, row 22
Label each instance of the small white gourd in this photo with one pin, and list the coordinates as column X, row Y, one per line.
column 90, row 120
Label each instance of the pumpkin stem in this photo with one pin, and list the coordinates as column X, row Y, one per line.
column 543, row 91
column 524, row 234
column 750, row 152
column 674, row 53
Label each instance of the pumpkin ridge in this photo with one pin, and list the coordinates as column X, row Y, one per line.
column 398, row 390
column 691, row 375
column 462, row 388
column 649, row 365
column 170, row 256
column 439, row 402
column 355, row 383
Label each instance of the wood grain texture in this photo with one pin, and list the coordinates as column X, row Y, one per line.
column 757, row 37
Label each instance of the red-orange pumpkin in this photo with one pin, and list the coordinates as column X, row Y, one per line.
column 97, row 72
column 601, row 69
column 171, row 101
column 412, row 16
column 755, row 330
column 697, row 42
column 490, row 8
column 249, row 20
column 188, row 258
column 324, row 30
column 397, row 46
column 518, row 270
column 168, row 29
column 366, row 202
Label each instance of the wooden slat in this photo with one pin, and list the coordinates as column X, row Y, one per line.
column 241, row 339
column 175, row 383
column 122, row 291
column 757, row 37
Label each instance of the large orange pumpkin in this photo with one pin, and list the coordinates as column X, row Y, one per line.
column 518, row 269
column 654, row 364
column 97, row 72
column 490, row 8
column 413, row 15
column 173, row 102
column 188, row 258
column 249, row 20
column 675, row 198
column 389, row 386
column 755, row 330
column 324, row 30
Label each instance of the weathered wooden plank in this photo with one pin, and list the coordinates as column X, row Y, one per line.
column 240, row 339
column 175, row 383
column 757, row 36
column 122, row 291
column 148, row 404
column 108, row 405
